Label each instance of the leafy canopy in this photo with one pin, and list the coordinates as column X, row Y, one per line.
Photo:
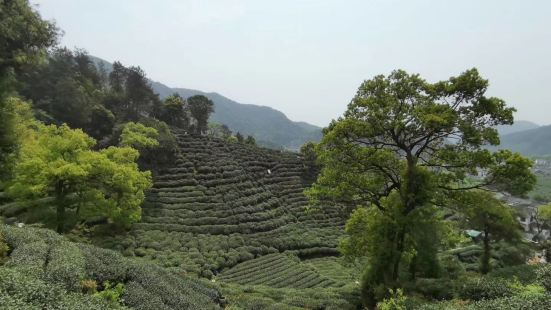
column 57, row 161
column 403, row 148
column 138, row 136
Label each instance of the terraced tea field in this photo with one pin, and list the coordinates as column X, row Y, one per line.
column 277, row 270
column 224, row 203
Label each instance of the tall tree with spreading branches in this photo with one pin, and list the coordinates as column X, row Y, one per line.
column 403, row 148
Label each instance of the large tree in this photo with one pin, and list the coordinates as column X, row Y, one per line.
column 200, row 108
column 59, row 162
column 403, row 146
column 174, row 111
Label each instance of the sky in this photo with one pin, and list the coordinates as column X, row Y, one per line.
column 307, row 58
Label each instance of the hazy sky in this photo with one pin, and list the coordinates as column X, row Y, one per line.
column 307, row 58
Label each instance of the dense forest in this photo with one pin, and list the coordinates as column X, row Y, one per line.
column 112, row 197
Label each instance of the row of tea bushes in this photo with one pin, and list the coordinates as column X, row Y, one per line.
column 46, row 271
column 276, row 270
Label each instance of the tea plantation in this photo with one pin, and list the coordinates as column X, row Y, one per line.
column 46, row 271
column 277, row 270
column 225, row 203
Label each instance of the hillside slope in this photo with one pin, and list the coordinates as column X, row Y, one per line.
column 529, row 142
column 225, row 203
column 517, row 126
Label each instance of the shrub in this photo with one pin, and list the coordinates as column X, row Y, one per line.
column 103, row 265
column 396, row 301
column 439, row 289
column 524, row 273
column 111, row 294
column 544, row 276
column 139, row 298
column 66, row 265
column 89, row 286
column 485, row 288
column 4, row 249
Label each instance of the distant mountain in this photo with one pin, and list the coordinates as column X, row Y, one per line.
column 535, row 141
column 516, row 127
column 270, row 127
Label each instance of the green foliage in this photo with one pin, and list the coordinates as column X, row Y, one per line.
column 45, row 270
column 174, row 111
column 200, row 108
column 15, row 116
column 111, row 293
column 311, row 166
column 276, row 270
column 68, row 88
column 131, row 95
column 486, row 213
column 262, row 297
column 390, row 153
column 544, row 212
column 219, row 131
column 239, row 137
column 59, row 162
column 396, row 301
column 544, row 276
column 250, row 140
column 25, row 35
column 513, row 303
column 138, row 136
column 433, row 289
column 524, row 273
column 479, row 288
column 25, row 38
column 4, row 249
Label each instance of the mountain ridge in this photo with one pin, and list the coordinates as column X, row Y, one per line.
column 529, row 142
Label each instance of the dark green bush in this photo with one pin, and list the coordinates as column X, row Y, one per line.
column 524, row 273
column 544, row 276
column 438, row 289
column 478, row 288
column 66, row 265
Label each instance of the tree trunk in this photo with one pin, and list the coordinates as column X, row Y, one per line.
column 413, row 267
column 399, row 242
column 60, row 218
column 485, row 259
column 60, row 206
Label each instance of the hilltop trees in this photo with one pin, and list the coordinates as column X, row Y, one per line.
column 174, row 111
column 405, row 146
column 131, row 94
column 200, row 108
column 67, row 88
